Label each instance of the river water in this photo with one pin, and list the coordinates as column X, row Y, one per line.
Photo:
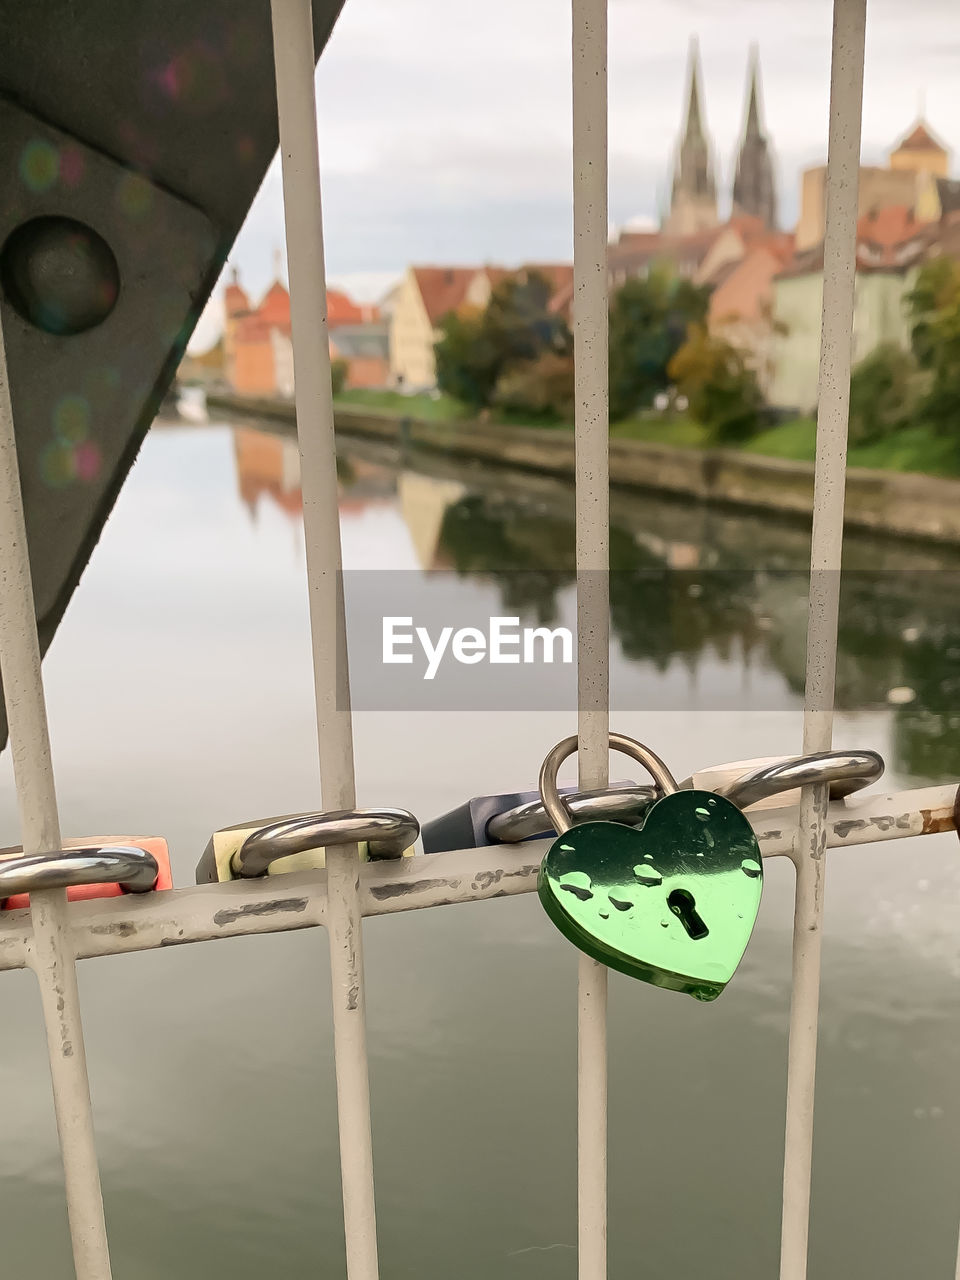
column 180, row 697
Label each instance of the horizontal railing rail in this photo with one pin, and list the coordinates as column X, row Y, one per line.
column 297, row 900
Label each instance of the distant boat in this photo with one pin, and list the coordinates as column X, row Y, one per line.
column 190, row 404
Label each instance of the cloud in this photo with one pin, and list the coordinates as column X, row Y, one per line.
column 445, row 128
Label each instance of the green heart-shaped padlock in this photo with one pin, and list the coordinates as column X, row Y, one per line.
column 673, row 902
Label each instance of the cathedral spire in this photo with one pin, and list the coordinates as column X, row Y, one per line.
column 754, row 188
column 752, row 127
column 694, row 129
column 693, row 202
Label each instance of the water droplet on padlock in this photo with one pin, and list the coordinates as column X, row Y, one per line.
column 604, row 915
column 664, row 924
column 750, row 867
column 708, row 836
column 622, row 904
column 648, row 856
column 702, row 813
column 647, row 875
column 577, row 883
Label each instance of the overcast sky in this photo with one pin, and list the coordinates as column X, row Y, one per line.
column 445, row 125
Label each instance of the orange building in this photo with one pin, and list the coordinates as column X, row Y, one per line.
column 258, row 354
column 366, row 350
column 342, row 310
column 258, row 347
column 742, row 300
column 236, row 303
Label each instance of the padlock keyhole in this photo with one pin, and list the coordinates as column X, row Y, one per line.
column 683, row 905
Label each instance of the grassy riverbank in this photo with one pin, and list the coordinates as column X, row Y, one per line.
column 891, row 501
column 914, row 449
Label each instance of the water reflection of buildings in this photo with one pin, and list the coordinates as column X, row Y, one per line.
column 269, row 464
column 365, row 485
column 424, row 502
column 687, row 583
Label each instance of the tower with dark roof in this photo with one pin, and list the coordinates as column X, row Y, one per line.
column 693, row 199
column 754, row 187
column 922, row 152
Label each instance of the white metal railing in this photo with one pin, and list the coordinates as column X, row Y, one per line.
column 826, row 545
column 297, row 111
column 48, row 937
column 52, row 957
column 591, row 434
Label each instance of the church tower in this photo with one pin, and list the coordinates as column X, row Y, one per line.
column 693, row 200
column 754, row 191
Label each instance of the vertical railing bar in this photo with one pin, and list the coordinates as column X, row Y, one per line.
column 53, row 961
column 296, row 105
column 836, row 349
column 593, row 591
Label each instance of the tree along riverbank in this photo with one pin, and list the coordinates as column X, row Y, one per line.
column 899, row 503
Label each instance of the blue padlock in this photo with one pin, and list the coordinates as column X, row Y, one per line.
column 515, row 816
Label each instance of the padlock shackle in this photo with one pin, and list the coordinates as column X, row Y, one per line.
column 556, row 807
column 613, row 804
column 134, row 870
column 844, row 771
column 388, row 832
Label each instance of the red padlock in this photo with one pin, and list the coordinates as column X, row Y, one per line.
column 155, row 845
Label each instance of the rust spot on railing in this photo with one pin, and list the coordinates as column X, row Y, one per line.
column 935, row 820
column 942, row 819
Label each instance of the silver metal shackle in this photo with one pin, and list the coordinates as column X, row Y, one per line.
column 133, row 869
column 561, row 818
column 386, row 832
column 618, row 804
column 844, row 771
